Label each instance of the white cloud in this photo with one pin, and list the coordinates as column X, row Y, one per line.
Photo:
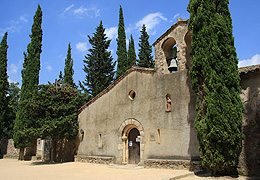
column 150, row 21
column 81, row 46
column 13, row 26
column 49, row 68
column 111, row 33
column 248, row 62
column 91, row 11
column 67, row 9
column 22, row 18
column 176, row 15
column 13, row 69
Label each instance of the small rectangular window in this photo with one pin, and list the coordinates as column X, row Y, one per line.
column 99, row 141
column 159, row 136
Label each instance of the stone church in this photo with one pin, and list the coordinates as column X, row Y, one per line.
column 147, row 116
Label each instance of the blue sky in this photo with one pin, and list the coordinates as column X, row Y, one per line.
column 67, row 21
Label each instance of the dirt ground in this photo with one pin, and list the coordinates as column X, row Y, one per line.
column 11, row 169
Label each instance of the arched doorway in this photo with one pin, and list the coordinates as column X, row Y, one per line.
column 131, row 144
column 134, row 146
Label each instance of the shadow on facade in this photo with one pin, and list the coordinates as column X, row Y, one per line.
column 249, row 162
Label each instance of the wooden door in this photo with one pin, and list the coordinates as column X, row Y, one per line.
column 134, row 147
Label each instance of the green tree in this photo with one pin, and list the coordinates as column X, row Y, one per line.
column 68, row 70
column 99, row 66
column 13, row 95
column 3, row 85
column 215, row 79
column 145, row 51
column 55, row 110
column 24, row 124
column 131, row 53
column 122, row 65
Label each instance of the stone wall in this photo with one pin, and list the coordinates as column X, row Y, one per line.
column 95, row 159
column 11, row 152
column 250, row 156
column 173, row 164
column 179, row 35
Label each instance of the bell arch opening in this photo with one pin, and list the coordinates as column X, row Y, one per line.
column 187, row 39
column 170, row 49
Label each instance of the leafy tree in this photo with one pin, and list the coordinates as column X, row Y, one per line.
column 98, row 66
column 145, row 56
column 55, row 110
column 3, row 85
column 24, row 124
column 68, row 70
column 215, row 79
column 122, row 65
column 131, row 53
column 13, row 95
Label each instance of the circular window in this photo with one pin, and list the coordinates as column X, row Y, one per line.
column 131, row 95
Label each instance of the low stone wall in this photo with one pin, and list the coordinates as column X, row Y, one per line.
column 11, row 151
column 172, row 164
column 95, row 159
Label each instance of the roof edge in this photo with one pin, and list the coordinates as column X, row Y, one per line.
column 111, row 86
column 180, row 21
column 247, row 69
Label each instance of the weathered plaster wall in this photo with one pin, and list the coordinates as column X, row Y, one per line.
column 105, row 116
column 250, row 155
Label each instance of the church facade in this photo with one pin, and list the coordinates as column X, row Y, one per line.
column 147, row 116
column 146, row 113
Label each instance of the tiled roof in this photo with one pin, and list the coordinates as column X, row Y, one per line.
column 245, row 70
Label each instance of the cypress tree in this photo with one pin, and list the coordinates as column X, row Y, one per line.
column 24, row 124
column 98, row 66
column 3, row 85
column 122, row 65
column 131, row 53
column 145, row 56
column 68, row 69
column 215, row 79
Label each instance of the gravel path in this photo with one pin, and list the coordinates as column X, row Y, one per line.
column 11, row 169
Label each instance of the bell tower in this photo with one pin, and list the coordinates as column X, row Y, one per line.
column 173, row 48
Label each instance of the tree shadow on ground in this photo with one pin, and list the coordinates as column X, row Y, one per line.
column 208, row 175
column 38, row 163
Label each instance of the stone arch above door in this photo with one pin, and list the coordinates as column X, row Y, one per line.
column 123, row 132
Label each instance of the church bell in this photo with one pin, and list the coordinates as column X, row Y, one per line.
column 173, row 65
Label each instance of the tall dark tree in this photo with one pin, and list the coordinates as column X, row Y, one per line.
column 68, row 70
column 122, row 65
column 3, row 85
column 98, row 66
column 215, row 79
column 131, row 53
column 145, row 51
column 24, row 124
